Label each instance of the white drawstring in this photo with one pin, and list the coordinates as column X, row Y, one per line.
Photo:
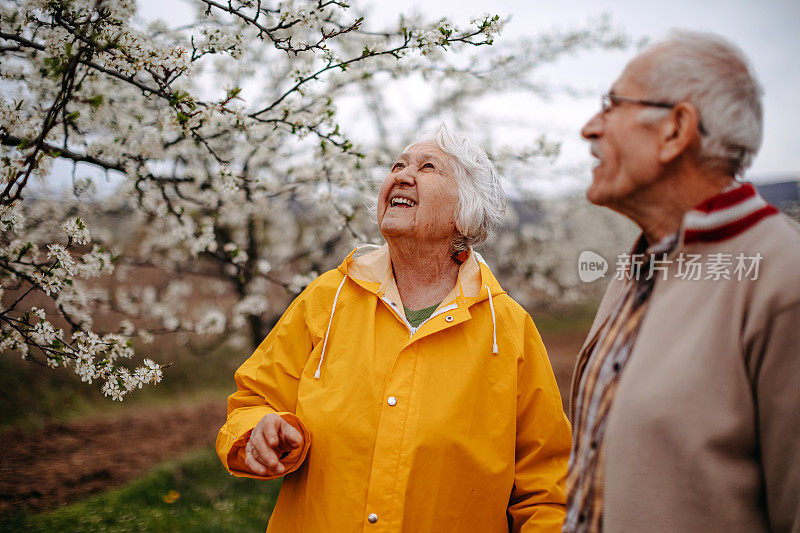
column 325, row 343
column 494, row 324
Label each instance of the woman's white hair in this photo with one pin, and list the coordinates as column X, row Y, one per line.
column 714, row 75
column 481, row 199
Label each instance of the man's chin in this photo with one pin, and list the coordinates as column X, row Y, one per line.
column 595, row 195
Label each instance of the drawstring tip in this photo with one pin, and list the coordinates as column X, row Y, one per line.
column 316, row 374
column 494, row 324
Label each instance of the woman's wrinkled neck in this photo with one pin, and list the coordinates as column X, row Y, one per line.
column 425, row 273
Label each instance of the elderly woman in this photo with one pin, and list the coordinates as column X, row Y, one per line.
column 405, row 390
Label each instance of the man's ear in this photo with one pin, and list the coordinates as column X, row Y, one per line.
column 678, row 132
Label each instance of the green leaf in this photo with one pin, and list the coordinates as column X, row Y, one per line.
column 178, row 97
column 95, row 101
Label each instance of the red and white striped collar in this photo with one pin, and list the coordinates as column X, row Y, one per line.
column 726, row 215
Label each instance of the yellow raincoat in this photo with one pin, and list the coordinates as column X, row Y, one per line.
column 406, row 429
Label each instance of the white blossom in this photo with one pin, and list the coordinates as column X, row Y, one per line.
column 12, row 340
column 300, row 281
column 127, row 328
column 11, row 218
column 238, row 256
column 264, row 266
column 111, row 388
column 145, row 336
column 62, row 257
column 94, row 263
column 43, row 333
column 77, row 230
column 211, row 323
column 49, row 282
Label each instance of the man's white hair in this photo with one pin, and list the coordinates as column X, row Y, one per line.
column 481, row 199
column 714, row 75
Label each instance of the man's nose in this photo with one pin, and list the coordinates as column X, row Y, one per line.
column 593, row 128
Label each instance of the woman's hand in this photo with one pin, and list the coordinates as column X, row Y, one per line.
column 271, row 440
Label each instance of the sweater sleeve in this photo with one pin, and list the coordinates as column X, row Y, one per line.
column 267, row 382
column 777, row 356
column 543, row 442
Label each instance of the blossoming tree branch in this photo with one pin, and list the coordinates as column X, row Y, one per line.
column 218, row 145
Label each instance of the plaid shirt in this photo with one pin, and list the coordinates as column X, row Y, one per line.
column 612, row 347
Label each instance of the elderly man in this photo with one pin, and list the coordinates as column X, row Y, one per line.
column 686, row 394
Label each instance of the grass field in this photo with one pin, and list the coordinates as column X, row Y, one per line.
column 190, row 494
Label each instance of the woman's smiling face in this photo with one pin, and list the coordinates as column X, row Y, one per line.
column 419, row 197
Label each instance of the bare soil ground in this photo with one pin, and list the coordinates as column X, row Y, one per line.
column 64, row 462
column 563, row 352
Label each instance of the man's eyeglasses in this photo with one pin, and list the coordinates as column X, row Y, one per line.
column 608, row 101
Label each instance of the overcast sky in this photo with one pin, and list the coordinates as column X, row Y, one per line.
column 768, row 31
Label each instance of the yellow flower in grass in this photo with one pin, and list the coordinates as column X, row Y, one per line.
column 171, row 496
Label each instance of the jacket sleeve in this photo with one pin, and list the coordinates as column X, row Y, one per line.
column 267, row 382
column 777, row 370
column 543, row 443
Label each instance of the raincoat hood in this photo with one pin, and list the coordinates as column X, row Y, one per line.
column 371, row 267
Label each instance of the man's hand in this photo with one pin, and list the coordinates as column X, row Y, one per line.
column 271, row 439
